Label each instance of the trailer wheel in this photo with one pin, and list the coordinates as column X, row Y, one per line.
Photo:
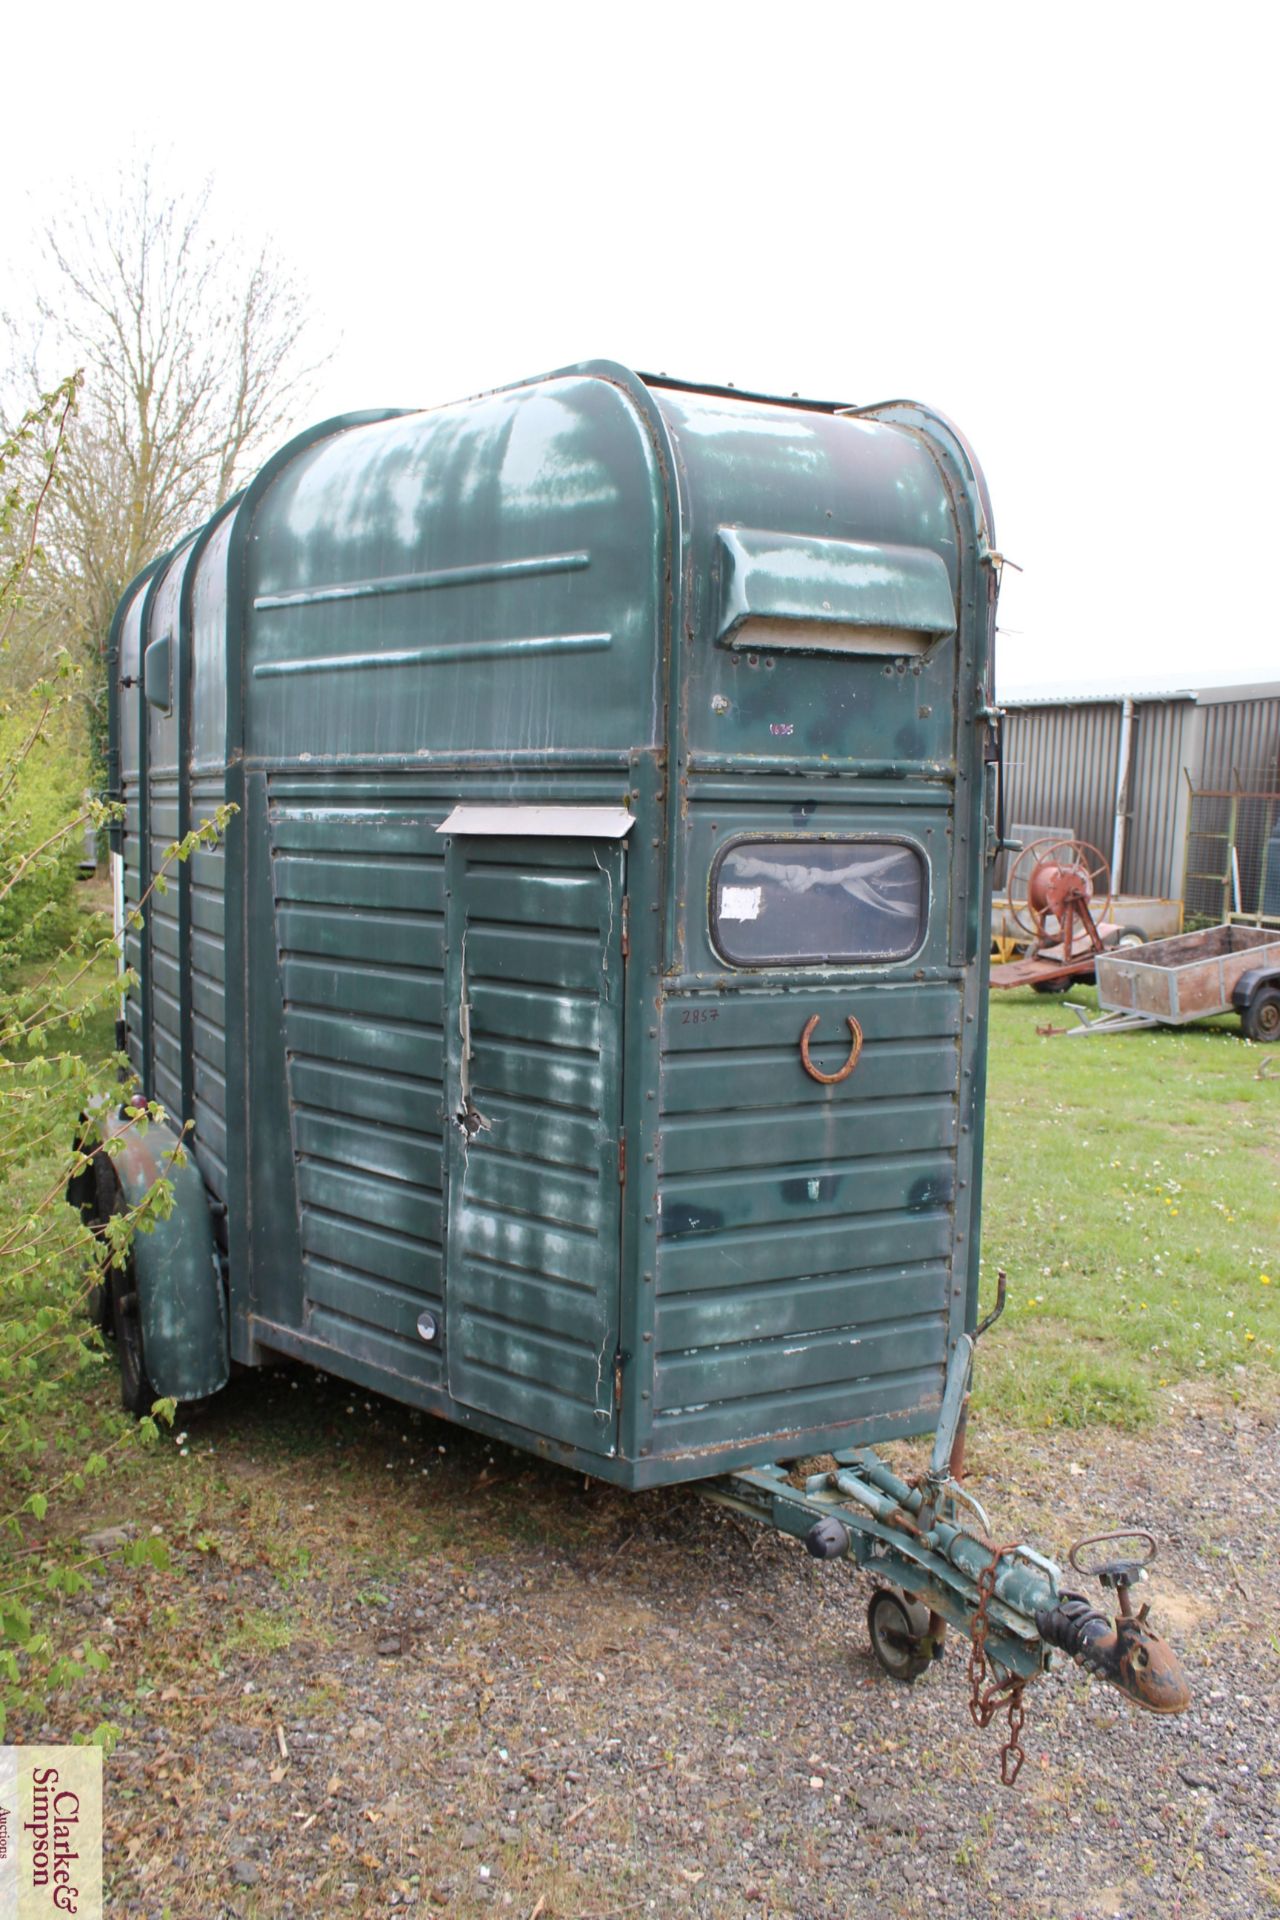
column 119, row 1305
column 899, row 1634
column 97, row 1305
column 136, row 1390
column 1261, row 1018
column 98, row 1299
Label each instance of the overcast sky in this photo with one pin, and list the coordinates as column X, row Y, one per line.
column 1057, row 225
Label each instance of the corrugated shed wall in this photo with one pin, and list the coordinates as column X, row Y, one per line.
column 1062, row 761
column 1241, row 745
column 1162, row 734
column 1060, row 764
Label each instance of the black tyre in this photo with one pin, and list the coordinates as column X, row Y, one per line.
column 899, row 1630
column 97, row 1305
column 136, row 1390
column 102, row 1185
column 96, row 1197
column 120, row 1286
column 1128, row 937
column 1261, row 1018
column 104, row 1202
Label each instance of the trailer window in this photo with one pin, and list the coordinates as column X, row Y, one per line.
column 817, row 902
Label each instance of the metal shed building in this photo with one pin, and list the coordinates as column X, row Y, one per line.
column 1181, row 790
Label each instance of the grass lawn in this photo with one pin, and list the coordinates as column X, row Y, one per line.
column 1133, row 1196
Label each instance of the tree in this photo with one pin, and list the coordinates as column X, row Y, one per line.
column 194, row 364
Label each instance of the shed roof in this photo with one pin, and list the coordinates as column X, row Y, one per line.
column 1063, row 694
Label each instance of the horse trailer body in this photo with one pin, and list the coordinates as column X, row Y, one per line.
column 581, row 1022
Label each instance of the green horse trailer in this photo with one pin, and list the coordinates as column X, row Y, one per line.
column 579, row 1027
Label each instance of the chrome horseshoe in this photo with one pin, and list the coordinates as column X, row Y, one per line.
column 816, row 1073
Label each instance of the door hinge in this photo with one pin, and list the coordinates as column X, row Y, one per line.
column 622, row 1157
column 626, row 926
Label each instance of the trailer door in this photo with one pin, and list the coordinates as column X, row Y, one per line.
column 812, row 1164
column 533, row 1028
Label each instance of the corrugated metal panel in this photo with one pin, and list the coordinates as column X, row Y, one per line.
column 163, row 951
column 208, row 991
column 1153, row 840
column 1060, row 764
column 535, row 996
column 131, row 846
column 164, row 988
column 1241, row 745
column 359, row 918
column 802, row 1264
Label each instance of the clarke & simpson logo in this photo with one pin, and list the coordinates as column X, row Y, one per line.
column 50, row 1833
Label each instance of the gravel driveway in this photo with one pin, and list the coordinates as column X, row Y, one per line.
column 554, row 1699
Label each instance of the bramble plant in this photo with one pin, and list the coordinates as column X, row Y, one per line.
column 59, row 987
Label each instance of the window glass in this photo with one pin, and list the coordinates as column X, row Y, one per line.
column 806, row 902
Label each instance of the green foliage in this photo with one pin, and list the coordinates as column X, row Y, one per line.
column 25, row 492
column 40, row 808
column 59, row 1080
column 40, row 768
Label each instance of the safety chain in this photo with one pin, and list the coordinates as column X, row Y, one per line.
column 985, row 1703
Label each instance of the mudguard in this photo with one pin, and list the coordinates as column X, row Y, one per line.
column 181, row 1304
column 1248, row 984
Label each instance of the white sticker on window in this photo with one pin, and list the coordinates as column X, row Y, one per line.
column 740, row 903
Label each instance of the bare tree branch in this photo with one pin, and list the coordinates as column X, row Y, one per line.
column 194, row 364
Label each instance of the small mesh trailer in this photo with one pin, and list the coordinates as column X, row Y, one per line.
column 580, row 1027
